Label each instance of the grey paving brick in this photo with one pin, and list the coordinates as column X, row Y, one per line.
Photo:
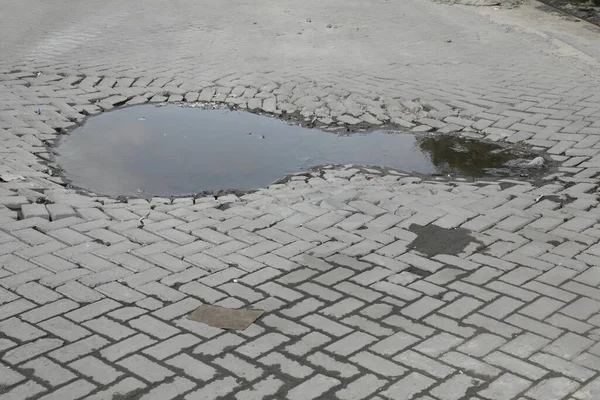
column 219, row 344
column 9, row 377
column 14, row 308
column 470, row 364
column 31, row 350
column 261, row 389
column 568, row 346
column 49, row 310
column 22, row 331
column 260, row 276
column 326, row 325
column 473, row 290
column 377, row 364
column 127, row 346
column 109, row 328
column 92, row 310
column 221, row 277
column 203, row 292
column 303, row 307
column 590, row 276
column 170, row 390
column 16, row 280
column 541, row 308
column 214, row 389
column 422, row 307
column 568, row 323
column 286, row 365
column 534, row 326
column 277, row 262
column 342, row 369
column 393, row 344
column 239, row 367
column 285, row 326
column 357, row 291
column 582, row 308
column 277, row 290
column 25, row 390
column 506, row 387
column 415, row 360
column 314, row 387
column 79, row 293
column 523, row 368
column 307, row 343
column 409, row 326
column 192, row 367
column 549, row 291
column 481, row 345
column 95, row 369
column 398, row 291
column 461, row 307
column 78, row 349
column 361, row 388
column 48, row 371
column 562, row 367
column 71, row 391
column 243, row 262
column 64, row 329
column 324, row 221
column 177, row 309
column 552, row 389
column 525, row 345
column 205, row 262
column 438, row 344
column 377, row 311
column 511, row 290
column 492, row 325
column 153, row 327
column 35, row 292
column 408, row 387
column 367, row 325
column 450, row 325
column 334, row 276
column 123, row 388
column 351, row 343
column 456, row 387
column 144, row 368
column 262, row 345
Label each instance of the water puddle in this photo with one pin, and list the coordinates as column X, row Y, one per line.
column 172, row 150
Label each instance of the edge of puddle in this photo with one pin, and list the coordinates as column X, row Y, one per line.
column 535, row 176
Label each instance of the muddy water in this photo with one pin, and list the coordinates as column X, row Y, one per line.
column 171, row 150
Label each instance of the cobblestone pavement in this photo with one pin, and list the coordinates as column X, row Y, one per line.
column 361, row 303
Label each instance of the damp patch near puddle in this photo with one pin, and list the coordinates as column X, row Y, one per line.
column 433, row 240
column 174, row 151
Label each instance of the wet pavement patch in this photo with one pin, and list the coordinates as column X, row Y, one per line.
column 432, row 240
column 173, row 151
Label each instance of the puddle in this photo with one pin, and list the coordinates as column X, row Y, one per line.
column 172, row 150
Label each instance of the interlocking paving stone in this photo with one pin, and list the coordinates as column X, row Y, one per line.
column 93, row 304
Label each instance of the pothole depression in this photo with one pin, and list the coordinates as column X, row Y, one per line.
column 174, row 151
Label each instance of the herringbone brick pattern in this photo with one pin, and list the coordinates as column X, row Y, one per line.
column 360, row 301
column 94, row 301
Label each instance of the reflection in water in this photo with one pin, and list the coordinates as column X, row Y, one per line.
column 175, row 151
column 467, row 157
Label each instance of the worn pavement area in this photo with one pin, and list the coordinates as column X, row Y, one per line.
column 361, row 302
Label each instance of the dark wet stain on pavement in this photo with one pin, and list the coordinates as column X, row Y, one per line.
column 432, row 240
column 172, row 150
